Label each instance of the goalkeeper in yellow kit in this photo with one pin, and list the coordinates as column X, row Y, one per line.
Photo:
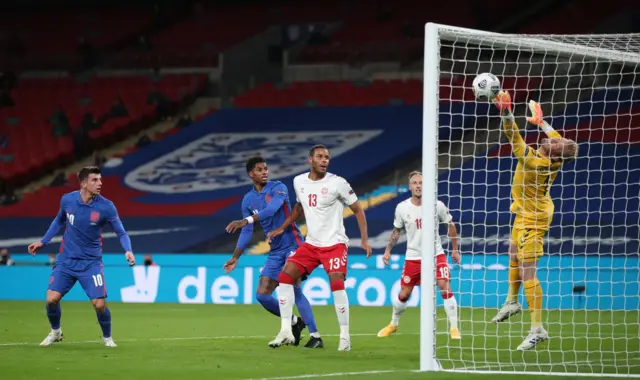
column 533, row 209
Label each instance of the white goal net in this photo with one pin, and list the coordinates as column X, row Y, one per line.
column 589, row 90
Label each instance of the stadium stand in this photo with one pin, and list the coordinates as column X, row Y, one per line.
column 376, row 92
column 60, row 119
column 37, row 40
column 575, row 17
column 394, row 32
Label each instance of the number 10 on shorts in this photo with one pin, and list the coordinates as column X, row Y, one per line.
column 97, row 280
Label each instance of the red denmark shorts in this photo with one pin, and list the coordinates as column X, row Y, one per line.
column 308, row 257
column 411, row 271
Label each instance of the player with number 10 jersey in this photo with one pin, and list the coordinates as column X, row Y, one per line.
column 83, row 214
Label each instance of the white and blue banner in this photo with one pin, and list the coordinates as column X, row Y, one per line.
column 569, row 282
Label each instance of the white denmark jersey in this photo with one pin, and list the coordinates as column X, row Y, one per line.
column 409, row 217
column 323, row 203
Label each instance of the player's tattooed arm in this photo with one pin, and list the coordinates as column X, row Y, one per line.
column 393, row 240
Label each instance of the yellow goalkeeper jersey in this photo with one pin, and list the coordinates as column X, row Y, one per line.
column 531, row 181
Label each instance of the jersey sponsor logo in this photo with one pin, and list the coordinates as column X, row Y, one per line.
column 217, row 161
column 95, row 216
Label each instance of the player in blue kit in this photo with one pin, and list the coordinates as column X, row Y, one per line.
column 83, row 213
column 268, row 203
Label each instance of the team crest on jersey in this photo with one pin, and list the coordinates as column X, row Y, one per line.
column 267, row 198
column 216, row 161
column 406, row 279
column 325, row 191
column 95, row 216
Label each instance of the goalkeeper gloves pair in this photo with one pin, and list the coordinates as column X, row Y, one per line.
column 503, row 103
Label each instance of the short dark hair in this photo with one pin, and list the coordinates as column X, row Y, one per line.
column 253, row 161
column 317, row 146
column 83, row 174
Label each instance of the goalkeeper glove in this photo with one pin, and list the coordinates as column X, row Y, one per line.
column 536, row 113
column 503, row 103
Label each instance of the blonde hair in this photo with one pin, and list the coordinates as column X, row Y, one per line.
column 570, row 149
column 413, row 174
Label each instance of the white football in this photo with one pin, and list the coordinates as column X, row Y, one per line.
column 486, row 86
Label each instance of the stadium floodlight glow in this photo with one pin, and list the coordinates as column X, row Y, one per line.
column 587, row 87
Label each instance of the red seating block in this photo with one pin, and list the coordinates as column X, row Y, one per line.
column 31, row 141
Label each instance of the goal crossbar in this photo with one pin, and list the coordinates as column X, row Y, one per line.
column 537, row 43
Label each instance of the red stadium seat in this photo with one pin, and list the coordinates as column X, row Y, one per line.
column 378, row 92
column 32, row 143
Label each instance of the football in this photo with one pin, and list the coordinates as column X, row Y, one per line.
column 486, row 86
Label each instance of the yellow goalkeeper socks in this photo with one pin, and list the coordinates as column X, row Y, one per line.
column 533, row 292
column 514, row 282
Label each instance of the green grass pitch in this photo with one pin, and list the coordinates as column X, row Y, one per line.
column 192, row 342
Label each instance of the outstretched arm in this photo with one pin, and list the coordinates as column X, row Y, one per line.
column 536, row 118
column 503, row 103
column 520, row 148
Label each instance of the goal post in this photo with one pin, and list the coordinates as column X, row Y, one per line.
column 589, row 274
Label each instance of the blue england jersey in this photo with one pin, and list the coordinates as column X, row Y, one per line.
column 81, row 244
column 272, row 207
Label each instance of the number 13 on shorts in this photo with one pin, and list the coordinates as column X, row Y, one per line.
column 334, row 264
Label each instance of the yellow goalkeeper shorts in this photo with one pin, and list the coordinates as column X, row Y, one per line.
column 529, row 243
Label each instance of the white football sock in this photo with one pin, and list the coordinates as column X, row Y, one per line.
column 315, row 335
column 399, row 308
column 341, row 302
column 451, row 308
column 286, row 299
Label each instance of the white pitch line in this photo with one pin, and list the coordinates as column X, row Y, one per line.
column 374, row 372
column 13, row 344
column 319, row 375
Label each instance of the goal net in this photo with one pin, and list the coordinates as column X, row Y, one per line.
column 589, row 91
